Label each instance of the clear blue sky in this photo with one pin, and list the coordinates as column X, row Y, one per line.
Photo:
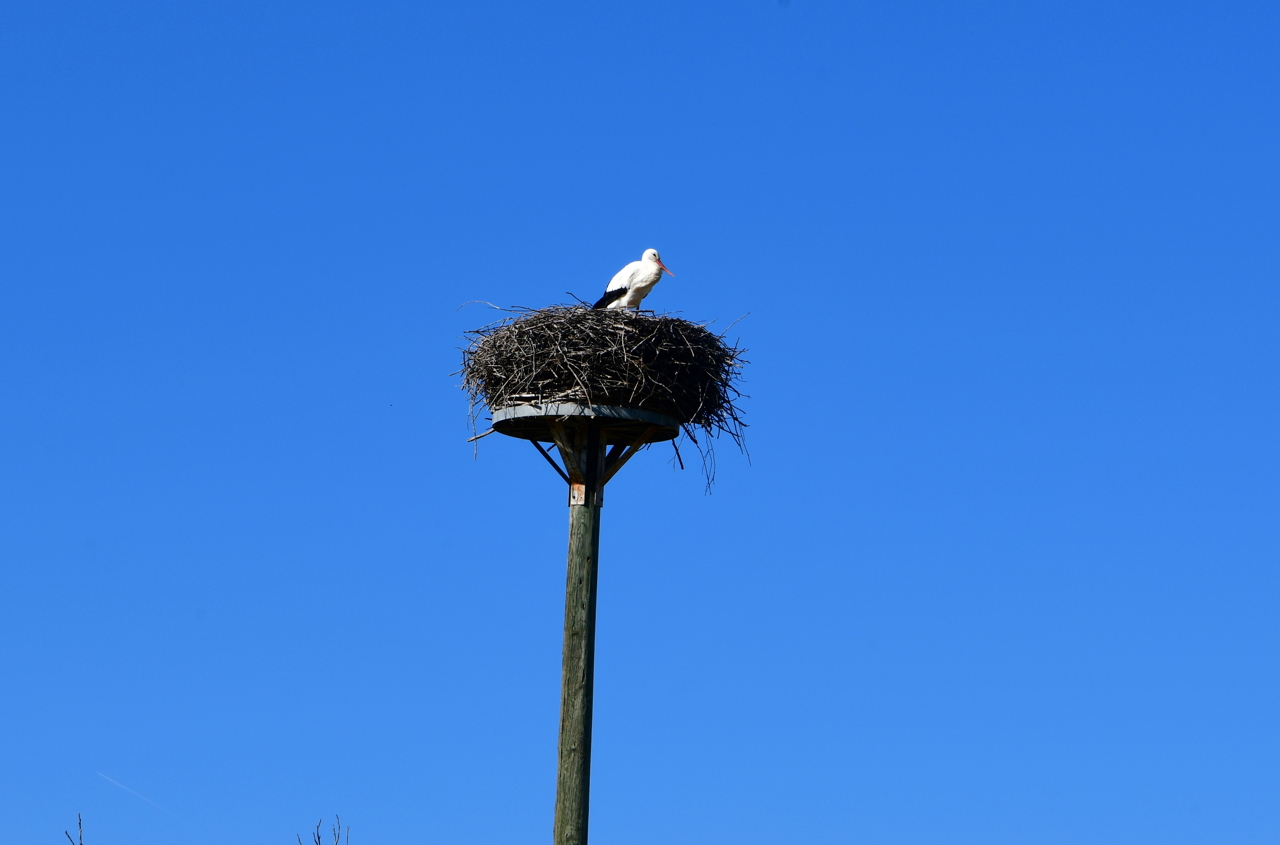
column 1002, row 567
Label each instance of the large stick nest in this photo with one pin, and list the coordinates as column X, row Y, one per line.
column 569, row 353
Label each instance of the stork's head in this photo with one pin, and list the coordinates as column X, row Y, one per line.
column 652, row 255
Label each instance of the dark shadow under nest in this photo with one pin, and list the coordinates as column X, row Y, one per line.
column 573, row 354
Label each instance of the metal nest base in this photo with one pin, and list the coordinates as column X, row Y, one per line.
column 625, row 426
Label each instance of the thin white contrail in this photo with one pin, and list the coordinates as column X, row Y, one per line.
column 130, row 791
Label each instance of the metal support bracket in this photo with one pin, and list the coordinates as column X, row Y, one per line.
column 572, row 445
column 615, row 461
column 555, row 466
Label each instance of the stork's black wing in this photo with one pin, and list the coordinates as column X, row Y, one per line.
column 610, row 296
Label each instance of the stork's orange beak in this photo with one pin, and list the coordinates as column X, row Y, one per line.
column 664, row 267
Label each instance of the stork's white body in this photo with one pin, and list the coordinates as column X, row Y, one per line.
column 632, row 283
column 637, row 279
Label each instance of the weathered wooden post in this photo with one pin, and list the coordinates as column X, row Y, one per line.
column 593, row 441
column 571, row 361
column 577, row 671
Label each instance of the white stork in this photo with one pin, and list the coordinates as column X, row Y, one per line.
column 633, row 282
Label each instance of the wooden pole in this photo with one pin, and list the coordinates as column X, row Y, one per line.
column 573, row 780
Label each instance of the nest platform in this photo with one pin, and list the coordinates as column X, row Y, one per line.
column 569, row 374
column 627, row 371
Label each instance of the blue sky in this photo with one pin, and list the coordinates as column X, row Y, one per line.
column 1002, row 565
